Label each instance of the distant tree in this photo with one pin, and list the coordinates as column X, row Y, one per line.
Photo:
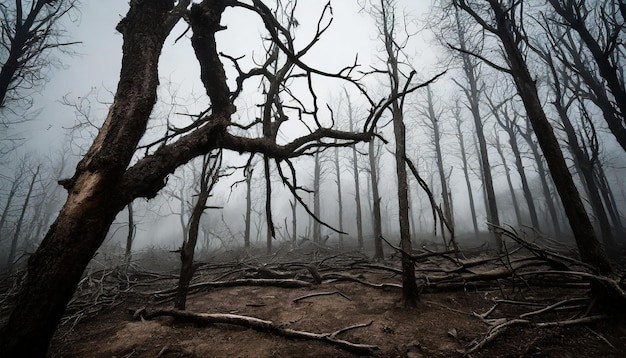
column 31, row 30
column 464, row 163
column 599, row 25
column 505, row 22
column 473, row 88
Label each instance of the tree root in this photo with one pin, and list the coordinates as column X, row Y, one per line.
column 265, row 326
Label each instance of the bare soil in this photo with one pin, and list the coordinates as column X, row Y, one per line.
column 442, row 325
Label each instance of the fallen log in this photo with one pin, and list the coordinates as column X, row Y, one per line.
column 264, row 326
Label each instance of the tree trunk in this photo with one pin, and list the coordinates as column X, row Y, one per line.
column 81, row 226
column 470, row 191
column 409, row 286
column 339, row 201
column 473, row 96
column 543, row 179
column 439, row 157
column 357, row 186
column 589, row 247
column 248, row 217
column 269, row 233
column 20, row 220
column 317, row 173
column 507, row 173
column 131, row 234
column 376, row 217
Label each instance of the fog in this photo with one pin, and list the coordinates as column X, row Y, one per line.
column 68, row 110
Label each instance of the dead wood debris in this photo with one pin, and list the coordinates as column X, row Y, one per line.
column 266, row 326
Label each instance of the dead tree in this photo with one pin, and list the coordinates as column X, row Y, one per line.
column 600, row 26
column 210, row 170
column 472, row 90
column 105, row 180
column 31, row 30
column 20, row 220
column 508, row 122
column 355, row 173
column 464, row 166
column 505, row 23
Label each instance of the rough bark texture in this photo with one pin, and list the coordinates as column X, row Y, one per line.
column 57, row 266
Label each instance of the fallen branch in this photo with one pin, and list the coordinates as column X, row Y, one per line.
column 498, row 329
column 295, row 300
column 285, row 283
column 268, row 327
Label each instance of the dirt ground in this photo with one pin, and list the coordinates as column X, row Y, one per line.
column 441, row 326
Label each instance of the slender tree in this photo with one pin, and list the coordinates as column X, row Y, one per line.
column 504, row 23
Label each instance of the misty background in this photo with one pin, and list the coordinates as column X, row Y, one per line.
column 47, row 138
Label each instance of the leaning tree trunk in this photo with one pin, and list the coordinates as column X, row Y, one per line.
column 543, row 179
column 507, row 174
column 81, row 226
column 473, row 96
column 589, row 247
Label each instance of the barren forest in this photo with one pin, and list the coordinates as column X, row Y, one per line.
column 260, row 178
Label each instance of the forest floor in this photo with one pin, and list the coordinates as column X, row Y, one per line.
column 453, row 317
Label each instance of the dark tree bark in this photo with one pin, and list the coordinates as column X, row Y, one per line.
column 81, row 226
column 269, row 228
column 505, row 29
column 131, row 234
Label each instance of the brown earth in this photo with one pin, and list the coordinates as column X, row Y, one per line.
column 441, row 326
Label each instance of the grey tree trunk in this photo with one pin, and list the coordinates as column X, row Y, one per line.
column 409, row 285
column 317, row 173
column 472, row 92
column 470, row 191
column 376, row 217
column 20, row 220
column 248, row 214
column 543, row 177
column 357, row 186
column 339, row 199
column 507, row 173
